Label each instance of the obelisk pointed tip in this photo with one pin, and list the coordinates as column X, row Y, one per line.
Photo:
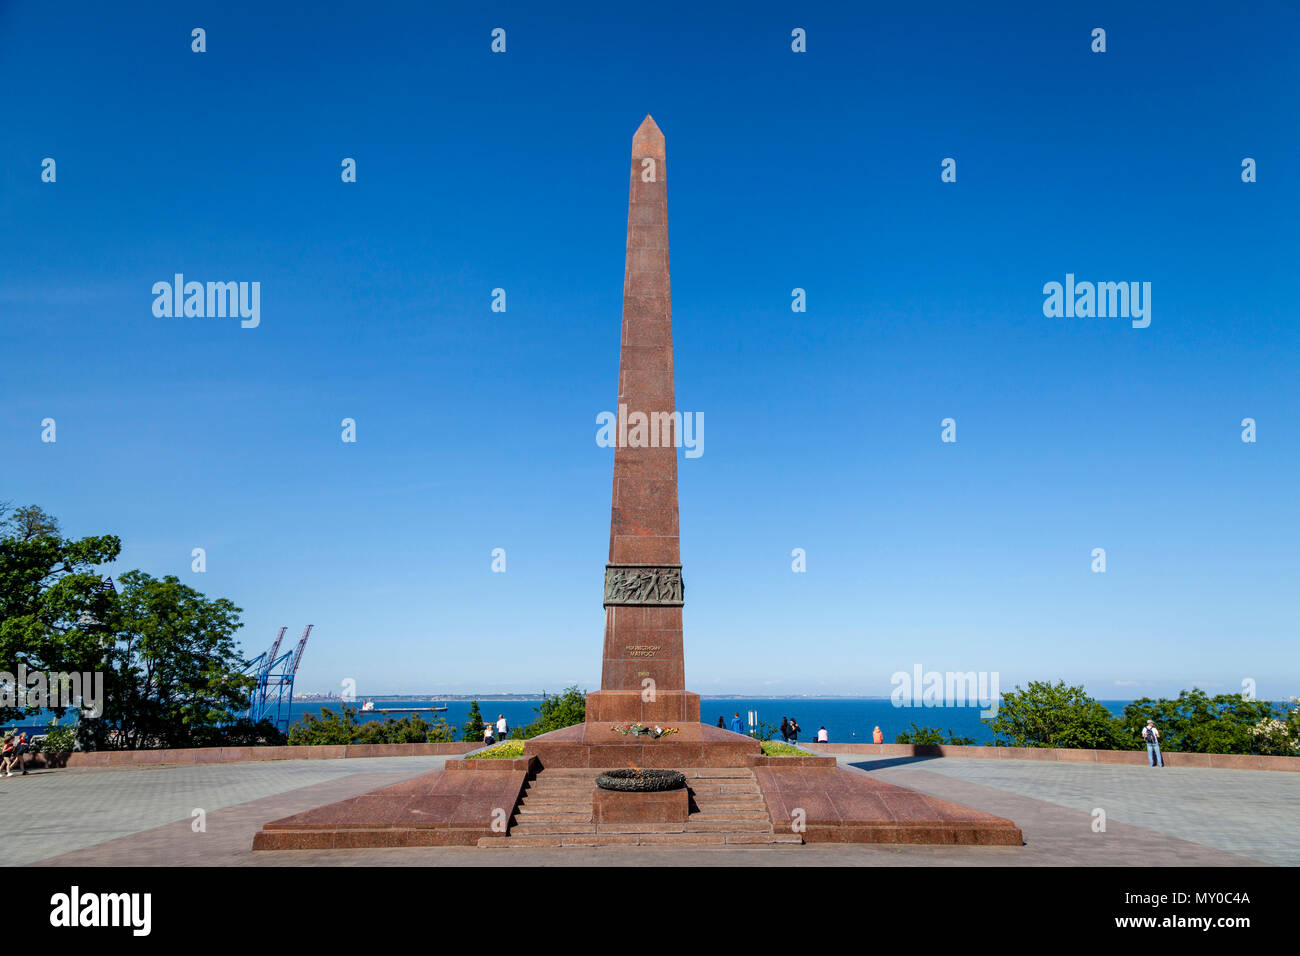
column 649, row 138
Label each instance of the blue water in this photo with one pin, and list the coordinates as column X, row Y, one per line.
column 852, row 719
column 847, row 719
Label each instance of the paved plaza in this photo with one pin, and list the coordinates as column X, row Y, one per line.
column 1173, row 816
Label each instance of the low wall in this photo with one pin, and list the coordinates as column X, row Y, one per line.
column 1135, row 758
column 195, row 755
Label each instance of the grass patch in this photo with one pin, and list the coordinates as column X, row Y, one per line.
column 506, row 750
column 772, row 748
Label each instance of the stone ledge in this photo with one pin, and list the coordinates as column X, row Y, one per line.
column 1172, row 758
column 197, row 755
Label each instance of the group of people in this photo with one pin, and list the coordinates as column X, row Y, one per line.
column 13, row 754
column 499, row 729
column 790, row 730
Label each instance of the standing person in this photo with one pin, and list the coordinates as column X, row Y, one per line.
column 21, row 747
column 502, row 727
column 721, row 722
column 876, row 736
column 822, row 736
column 736, row 726
column 1152, row 736
column 794, row 731
column 785, row 729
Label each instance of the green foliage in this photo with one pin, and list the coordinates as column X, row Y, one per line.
column 764, row 731
column 932, row 736
column 328, row 728
column 441, row 732
column 1199, row 723
column 472, row 732
column 509, row 750
column 172, row 674
column 1054, row 715
column 58, row 740
column 772, row 748
column 241, row 733
column 344, row 728
column 54, row 612
column 564, row 709
column 174, row 670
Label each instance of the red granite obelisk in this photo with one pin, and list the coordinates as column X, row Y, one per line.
column 643, row 674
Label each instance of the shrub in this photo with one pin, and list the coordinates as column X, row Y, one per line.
column 564, row 709
column 344, row 728
column 1054, row 715
column 1199, row 723
column 58, row 740
column 932, row 736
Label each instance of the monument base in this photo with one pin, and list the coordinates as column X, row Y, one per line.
column 595, row 744
column 668, row 806
column 627, row 706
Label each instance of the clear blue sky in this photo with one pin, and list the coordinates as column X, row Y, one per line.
column 476, row 430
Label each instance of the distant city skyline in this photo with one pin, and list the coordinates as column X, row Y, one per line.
column 476, row 431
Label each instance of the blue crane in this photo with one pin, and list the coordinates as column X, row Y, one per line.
column 272, row 694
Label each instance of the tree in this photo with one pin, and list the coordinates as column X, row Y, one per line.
column 441, row 732
column 564, row 709
column 1054, row 715
column 328, row 728
column 344, row 728
column 172, row 674
column 473, row 729
column 932, row 736
column 175, row 671
column 1199, row 723
column 54, row 609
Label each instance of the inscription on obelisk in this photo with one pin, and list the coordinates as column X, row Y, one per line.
column 643, row 675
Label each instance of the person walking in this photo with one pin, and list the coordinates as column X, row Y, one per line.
column 20, row 750
column 7, row 753
column 877, row 737
column 502, row 727
column 14, row 750
column 785, row 729
column 1151, row 734
column 736, row 726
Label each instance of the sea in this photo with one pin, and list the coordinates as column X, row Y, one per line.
column 846, row 719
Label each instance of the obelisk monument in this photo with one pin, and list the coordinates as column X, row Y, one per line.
column 643, row 673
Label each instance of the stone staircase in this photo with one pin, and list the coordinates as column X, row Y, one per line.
column 727, row 809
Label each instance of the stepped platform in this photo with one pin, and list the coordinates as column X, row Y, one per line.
column 548, row 798
column 827, row 804
column 596, row 744
column 726, row 809
column 456, row 806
